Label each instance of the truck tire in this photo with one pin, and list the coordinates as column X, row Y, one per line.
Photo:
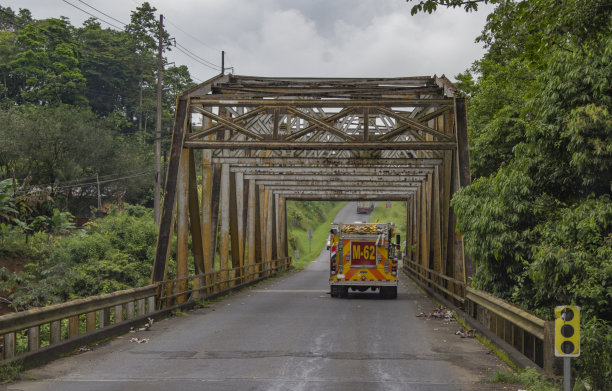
column 344, row 291
column 393, row 292
column 334, row 291
column 383, row 292
column 388, row 292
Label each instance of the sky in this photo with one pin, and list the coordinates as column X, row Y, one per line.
column 299, row 38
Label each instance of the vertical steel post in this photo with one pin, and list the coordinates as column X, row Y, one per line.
column 224, row 234
column 166, row 224
column 182, row 224
column 251, row 226
column 270, row 239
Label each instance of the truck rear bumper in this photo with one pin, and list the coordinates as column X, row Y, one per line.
column 363, row 283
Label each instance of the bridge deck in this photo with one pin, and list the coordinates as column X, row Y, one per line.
column 286, row 334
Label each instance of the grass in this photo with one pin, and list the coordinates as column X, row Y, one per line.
column 320, row 232
column 10, row 372
column 528, row 377
column 396, row 214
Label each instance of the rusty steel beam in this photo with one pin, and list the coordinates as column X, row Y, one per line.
column 182, row 224
column 166, row 224
column 338, row 178
column 347, row 197
column 320, row 124
column 414, row 124
column 228, row 123
column 351, row 194
column 332, row 118
column 212, row 100
column 321, row 146
column 334, row 170
column 332, row 181
column 224, row 232
column 324, row 161
column 214, row 129
column 371, row 189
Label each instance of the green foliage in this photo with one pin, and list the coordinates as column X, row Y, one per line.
column 10, row 372
column 595, row 361
column 305, row 215
column 536, row 218
column 395, row 214
column 111, row 254
column 496, row 216
column 76, row 95
column 430, row 6
column 572, row 261
column 528, row 377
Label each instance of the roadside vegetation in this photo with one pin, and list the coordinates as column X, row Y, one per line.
column 396, row 213
column 537, row 218
column 56, row 262
column 316, row 216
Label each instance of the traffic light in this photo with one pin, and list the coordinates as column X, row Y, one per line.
column 567, row 331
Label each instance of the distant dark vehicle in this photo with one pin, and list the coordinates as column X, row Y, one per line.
column 365, row 207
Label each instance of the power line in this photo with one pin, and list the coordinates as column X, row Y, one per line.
column 143, row 173
column 92, row 15
column 108, row 16
column 214, row 68
column 192, row 37
column 198, row 57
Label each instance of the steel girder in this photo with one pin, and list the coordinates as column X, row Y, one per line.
column 261, row 141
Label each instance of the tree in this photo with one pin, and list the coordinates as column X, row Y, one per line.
column 430, row 6
column 46, row 66
column 536, row 217
column 107, row 65
column 144, row 30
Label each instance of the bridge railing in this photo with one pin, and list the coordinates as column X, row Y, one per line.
column 42, row 333
column 47, row 327
column 206, row 285
column 531, row 337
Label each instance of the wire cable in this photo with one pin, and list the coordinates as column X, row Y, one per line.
column 200, row 58
column 97, row 10
column 191, row 36
column 198, row 61
column 92, row 15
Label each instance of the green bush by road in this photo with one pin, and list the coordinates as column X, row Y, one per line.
column 305, row 215
column 395, row 214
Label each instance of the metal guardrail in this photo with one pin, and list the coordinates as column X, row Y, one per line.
column 450, row 286
column 205, row 285
column 529, row 335
column 507, row 311
column 22, row 334
column 59, row 326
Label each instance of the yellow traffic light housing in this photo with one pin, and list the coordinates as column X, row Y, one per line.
column 567, row 331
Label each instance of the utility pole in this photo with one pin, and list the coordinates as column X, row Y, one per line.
column 223, row 62
column 99, row 195
column 160, row 70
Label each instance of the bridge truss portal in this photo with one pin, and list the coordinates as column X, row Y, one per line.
column 263, row 141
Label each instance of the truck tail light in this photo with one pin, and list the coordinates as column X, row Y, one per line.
column 394, row 268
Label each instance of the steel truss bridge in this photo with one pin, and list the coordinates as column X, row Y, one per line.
column 263, row 141
column 266, row 140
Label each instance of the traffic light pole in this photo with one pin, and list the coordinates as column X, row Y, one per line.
column 567, row 375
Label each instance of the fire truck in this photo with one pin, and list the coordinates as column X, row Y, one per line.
column 363, row 256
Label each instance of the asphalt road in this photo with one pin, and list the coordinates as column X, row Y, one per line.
column 285, row 334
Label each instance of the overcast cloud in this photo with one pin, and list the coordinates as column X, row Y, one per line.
column 324, row 38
